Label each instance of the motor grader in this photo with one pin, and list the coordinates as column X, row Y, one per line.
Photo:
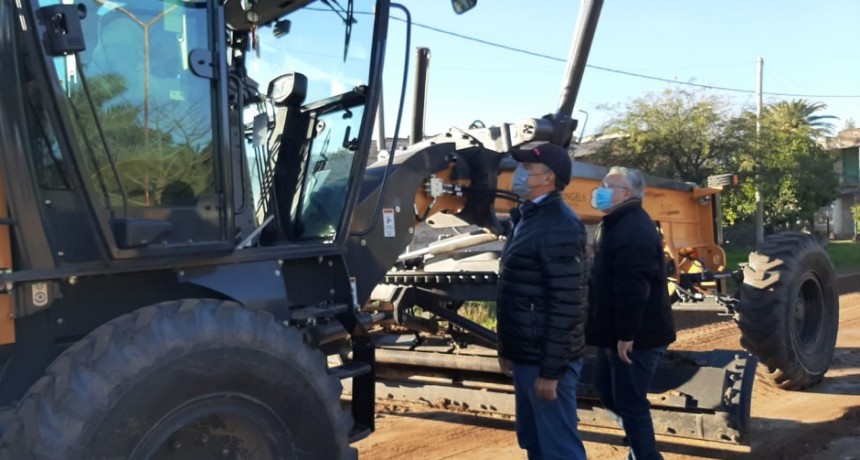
column 188, row 226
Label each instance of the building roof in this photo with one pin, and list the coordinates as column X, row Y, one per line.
column 591, row 144
column 846, row 139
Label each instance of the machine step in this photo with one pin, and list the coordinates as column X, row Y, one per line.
column 349, row 370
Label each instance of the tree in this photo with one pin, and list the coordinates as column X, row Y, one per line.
column 798, row 115
column 689, row 136
column 675, row 134
column 795, row 174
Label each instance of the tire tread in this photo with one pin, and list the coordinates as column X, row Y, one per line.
column 51, row 418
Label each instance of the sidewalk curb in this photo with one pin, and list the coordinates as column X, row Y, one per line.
column 847, row 283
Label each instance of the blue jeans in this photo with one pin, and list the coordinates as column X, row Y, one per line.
column 547, row 429
column 623, row 389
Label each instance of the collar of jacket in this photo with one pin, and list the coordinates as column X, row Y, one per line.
column 622, row 210
column 529, row 207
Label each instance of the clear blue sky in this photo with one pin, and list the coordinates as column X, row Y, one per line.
column 809, row 48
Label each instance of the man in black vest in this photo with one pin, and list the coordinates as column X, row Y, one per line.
column 629, row 314
column 539, row 311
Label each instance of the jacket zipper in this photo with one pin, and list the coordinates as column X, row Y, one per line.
column 534, row 320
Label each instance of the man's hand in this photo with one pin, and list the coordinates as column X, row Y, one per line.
column 545, row 388
column 507, row 366
column 623, row 349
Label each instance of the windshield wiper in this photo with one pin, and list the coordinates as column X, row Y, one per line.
column 348, row 17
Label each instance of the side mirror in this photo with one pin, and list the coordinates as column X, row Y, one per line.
column 281, row 28
column 722, row 180
column 461, row 6
column 63, row 33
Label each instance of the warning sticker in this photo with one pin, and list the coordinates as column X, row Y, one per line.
column 388, row 222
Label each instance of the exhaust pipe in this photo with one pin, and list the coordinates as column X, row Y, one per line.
column 419, row 107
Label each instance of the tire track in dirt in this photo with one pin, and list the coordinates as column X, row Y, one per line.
column 447, row 435
column 822, row 422
column 723, row 334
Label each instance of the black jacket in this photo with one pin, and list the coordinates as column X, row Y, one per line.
column 540, row 291
column 628, row 295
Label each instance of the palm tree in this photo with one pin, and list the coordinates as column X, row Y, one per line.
column 799, row 114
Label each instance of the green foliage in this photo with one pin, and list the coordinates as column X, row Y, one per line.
column 483, row 313
column 795, row 174
column 798, row 115
column 736, row 256
column 689, row 136
column 855, row 212
column 844, row 254
column 675, row 134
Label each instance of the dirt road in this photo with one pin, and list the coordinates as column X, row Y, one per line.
column 821, row 423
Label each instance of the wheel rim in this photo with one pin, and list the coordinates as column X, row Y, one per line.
column 808, row 314
column 223, row 425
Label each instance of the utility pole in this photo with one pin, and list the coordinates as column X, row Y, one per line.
column 582, row 133
column 759, row 206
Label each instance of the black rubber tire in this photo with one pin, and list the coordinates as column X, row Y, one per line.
column 184, row 379
column 790, row 325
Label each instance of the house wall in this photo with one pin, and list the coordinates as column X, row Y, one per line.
column 846, row 220
column 845, row 148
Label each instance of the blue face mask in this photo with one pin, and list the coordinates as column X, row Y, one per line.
column 601, row 198
column 520, row 181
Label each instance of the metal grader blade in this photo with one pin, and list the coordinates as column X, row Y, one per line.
column 697, row 395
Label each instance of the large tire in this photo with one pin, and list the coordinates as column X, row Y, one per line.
column 190, row 379
column 789, row 309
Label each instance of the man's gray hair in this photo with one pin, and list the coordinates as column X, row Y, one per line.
column 635, row 181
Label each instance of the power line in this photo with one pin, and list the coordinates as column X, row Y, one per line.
column 494, row 44
column 624, row 72
column 720, row 88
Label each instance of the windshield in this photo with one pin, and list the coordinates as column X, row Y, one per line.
column 147, row 113
column 315, row 46
column 332, row 49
